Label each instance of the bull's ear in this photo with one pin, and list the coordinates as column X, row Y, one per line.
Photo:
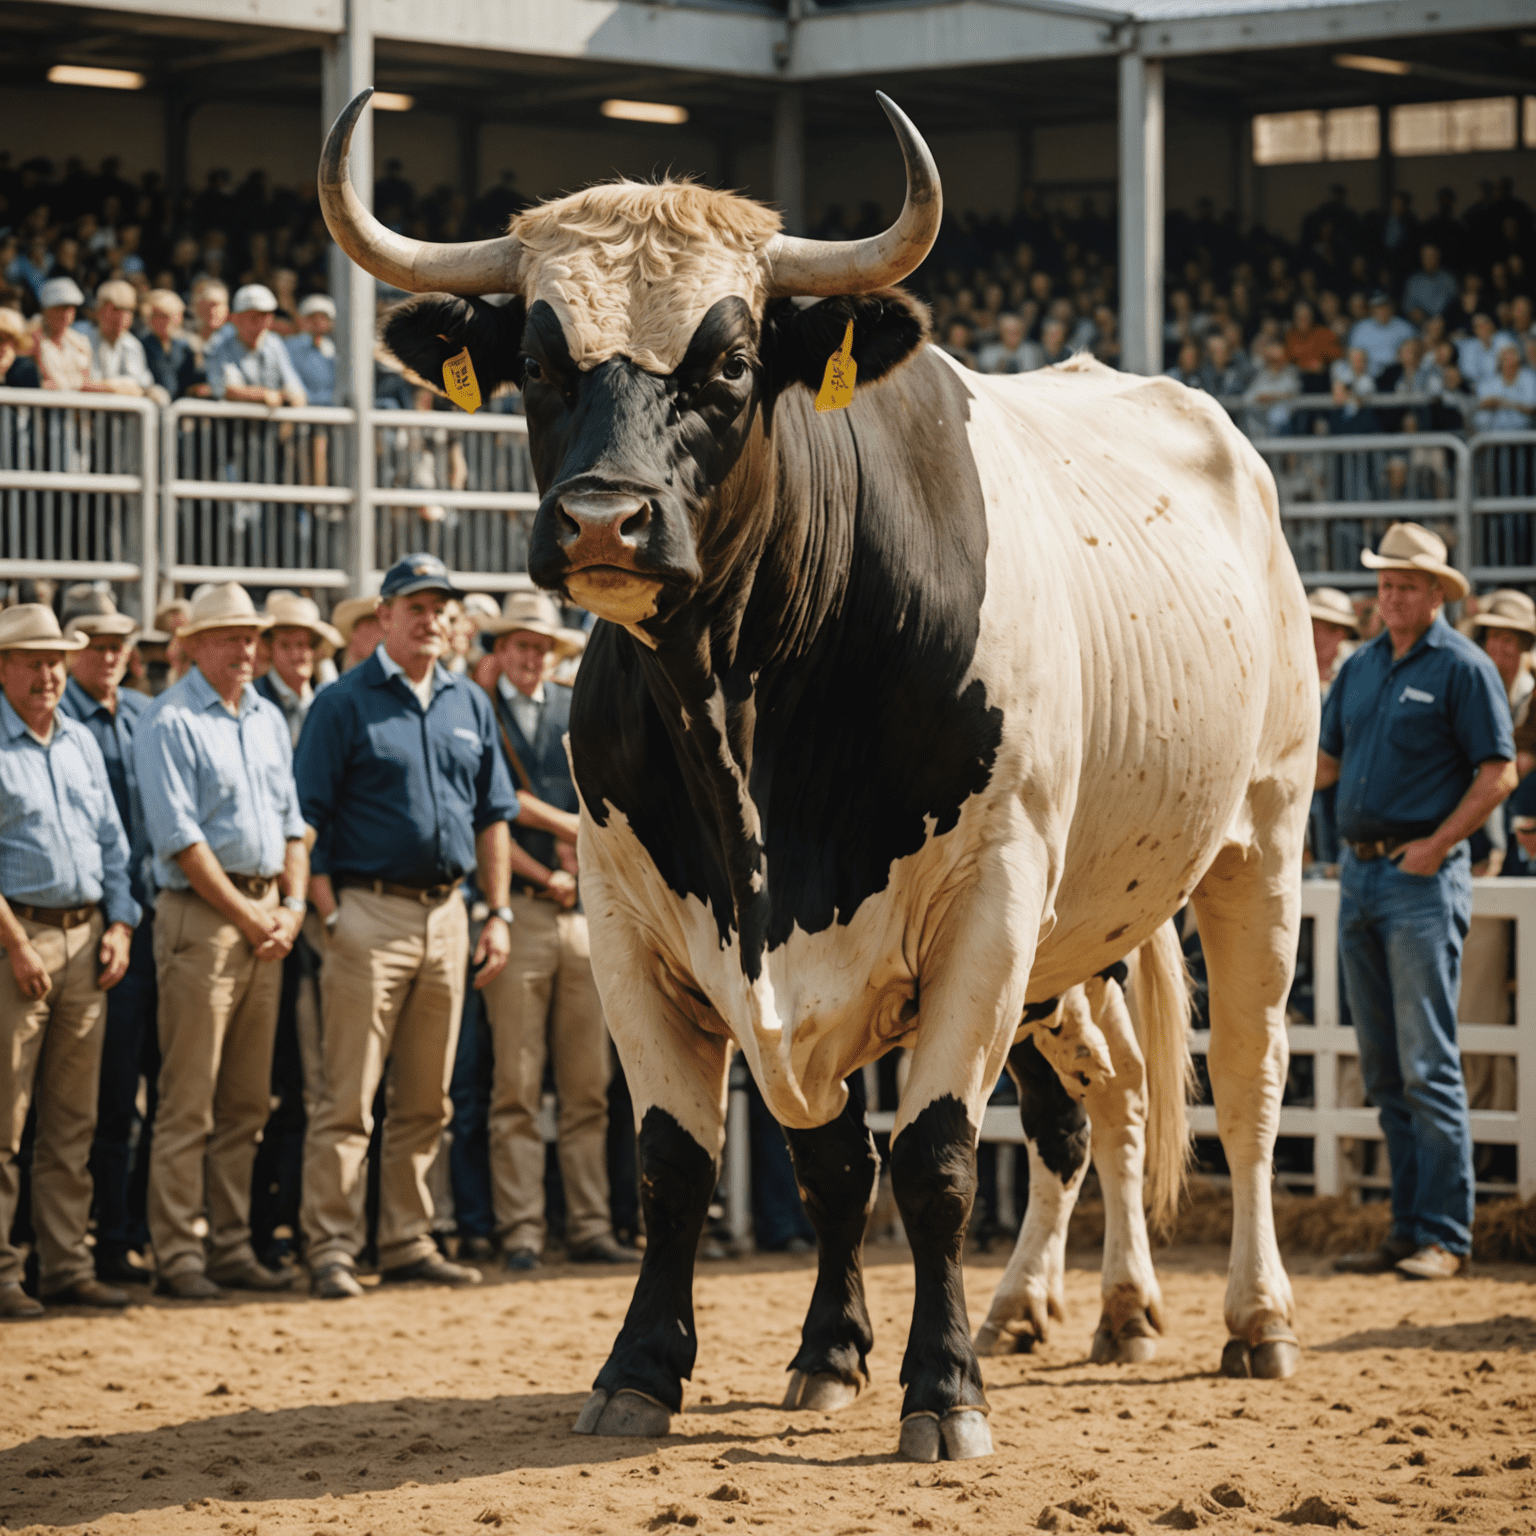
column 424, row 332
column 889, row 325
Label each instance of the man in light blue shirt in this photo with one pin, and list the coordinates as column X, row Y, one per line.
column 1507, row 399
column 1380, row 334
column 215, row 772
column 66, row 922
column 312, row 351
column 1431, row 290
column 1478, row 354
column 248, row 361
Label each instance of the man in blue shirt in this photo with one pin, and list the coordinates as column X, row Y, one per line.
column 215, row 770
column 130, row 1052
column 1416, row 733
column 312, row 351
column 1380, row 334
column 401, row 778
column 66, row 923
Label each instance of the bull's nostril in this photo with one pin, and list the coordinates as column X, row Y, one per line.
column 636, row 523
column 567, row 529
column 601, row 516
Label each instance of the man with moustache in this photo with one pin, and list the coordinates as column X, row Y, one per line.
column 215, row 768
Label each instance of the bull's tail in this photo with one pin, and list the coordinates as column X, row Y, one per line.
column 1160, row 1011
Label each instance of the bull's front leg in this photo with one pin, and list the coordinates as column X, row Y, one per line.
column 838, row 1170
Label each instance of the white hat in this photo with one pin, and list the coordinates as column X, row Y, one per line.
column 226, row 606
column 88, row 611
column 60, row 290
column 1505, row 609
column 318, row 304
column 1411, row 547
column 1333, row 607
column 253, row 296
column 535, row 613
column 32, row 627
column 289, row 611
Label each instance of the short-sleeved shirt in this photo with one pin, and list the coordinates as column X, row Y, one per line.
column 61, row 840
column 113, row 732
column 65, row 363
column 314, row 360
column 395, row 792
column 267, row 365
column 120, row 359
column 1380, row 342
column 207, row 776
column 1503, row 418
column 1410, row 734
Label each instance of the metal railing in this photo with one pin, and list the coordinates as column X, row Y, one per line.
column 1503, row 499
column 78, row 489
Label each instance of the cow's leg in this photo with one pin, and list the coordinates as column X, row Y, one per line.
column 1056, row 1138
column 1249, row 912
column 1117, row 1111
column 838, row 1170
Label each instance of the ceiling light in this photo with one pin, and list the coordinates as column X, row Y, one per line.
column 1372, row 66
column 645, row 112
column 393, row 101
column 109, row 79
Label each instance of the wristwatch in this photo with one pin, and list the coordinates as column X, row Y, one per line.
column 504, row 913
column 295, row 903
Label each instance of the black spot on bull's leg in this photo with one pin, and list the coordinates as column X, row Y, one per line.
column 656, row 1347
column 838, row 1168
column 933, row 1171
column 1052, row 1119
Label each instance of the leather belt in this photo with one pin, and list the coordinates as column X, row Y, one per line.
column 1382, row 849
column 427, row 896
column 55, row 917
column 254, row 886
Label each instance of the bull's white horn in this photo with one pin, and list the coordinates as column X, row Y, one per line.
column 418, row 266
column 825, row 268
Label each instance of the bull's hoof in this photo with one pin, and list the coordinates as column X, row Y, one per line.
column 966, row 1435
column 920, row 1437
column 1133, row 1344
column 1023, row 1336
column 819, row 1391
column 1276, row 1359
column 1236, row 1359
column 626, row 1414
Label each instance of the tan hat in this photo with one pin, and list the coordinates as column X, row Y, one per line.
column 89, row 612
column 178, row 609
column 1505, row 609
column 288, row 611
column 535, row 612
column 32, row 627
column 226, row 606
column 345, row 615
column 1333, row 607
column 1410, row 547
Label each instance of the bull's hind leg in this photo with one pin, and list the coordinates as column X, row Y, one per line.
column 1249, row 912
column 838, row 1170
column 1056, row 1137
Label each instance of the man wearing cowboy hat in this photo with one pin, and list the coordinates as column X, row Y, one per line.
column 298, row 640
column 67, row 915
column 1416, row 734
column 357, row 622
column 95, row 696
column 544, row 1004
column 215, row 768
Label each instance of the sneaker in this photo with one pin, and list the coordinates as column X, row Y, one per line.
column 1380, row 1260
column 434, row 1270
column 520, row 1260
column 1432, row 1262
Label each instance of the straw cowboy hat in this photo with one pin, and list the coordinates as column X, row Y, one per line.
column 1505, row 609
column 536, row 613
column 89, row 612
column 169, row 616
column 345, row 615
column 226, row 606
column 32, row 627
column 1333, row 607
column 289, row 611
column 1409, row 547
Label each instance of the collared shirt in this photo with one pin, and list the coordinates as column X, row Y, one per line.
column 394, row 791
column 1506, row 418
column 526, row 708
column 314, row 360
column 295, row 706
column 113, row 732
column 1479, row 360
column 265, row 366
column 120, row 359
column 1410, row 734
column 1380, row 342
column 165, row 360
column 207, row 776
column 65, row 363
column 61, row 841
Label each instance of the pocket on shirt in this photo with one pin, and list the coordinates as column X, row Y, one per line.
column 458, row 755
column 1411, row 730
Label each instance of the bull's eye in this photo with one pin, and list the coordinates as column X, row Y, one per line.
column 734, row 367
column 531, row 370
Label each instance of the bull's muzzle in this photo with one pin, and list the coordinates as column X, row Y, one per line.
column 601, row 533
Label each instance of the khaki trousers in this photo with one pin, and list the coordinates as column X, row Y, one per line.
column 391, row 990
column 50, row 1048
column 218, row 1019
column 545, row 1004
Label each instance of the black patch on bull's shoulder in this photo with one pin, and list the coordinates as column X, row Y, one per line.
column 424, row 332
column 845, row 699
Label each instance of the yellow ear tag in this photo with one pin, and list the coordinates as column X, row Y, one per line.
column 460, row 382
column 838, row 381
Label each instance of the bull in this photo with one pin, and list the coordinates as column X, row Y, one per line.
column 903, row 720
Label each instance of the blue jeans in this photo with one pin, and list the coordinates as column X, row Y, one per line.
column 1400, row 942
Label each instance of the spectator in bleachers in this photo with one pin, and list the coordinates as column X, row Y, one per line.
column 1270, row 392
column 1380, row 334
column 210, row 310
column 1012, row 352
column 249, row 362
column 63, row 354
column 1222, row 373
column 1186, row 366
column 312, row 351
column 1053, row 342
column 1431, row 290
column 1478, row 354
column 1506, row 401
column 1312, row 348
column 16, row 371
column 166, row 350
column 118, row 364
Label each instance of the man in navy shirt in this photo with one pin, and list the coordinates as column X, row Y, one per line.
column 1416, row 733
column 402, row 781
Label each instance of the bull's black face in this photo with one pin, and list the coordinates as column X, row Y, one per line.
column 652, row 485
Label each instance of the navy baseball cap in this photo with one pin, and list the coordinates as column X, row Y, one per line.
column 417, row 573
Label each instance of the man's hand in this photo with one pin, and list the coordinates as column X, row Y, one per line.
column 566, row 854
column 30, row 972
column 323, row 894
column 491, row 952
column 561, row 888
column 258, row 926
column 113, row 955
column 1421, row 857
column 281, row 941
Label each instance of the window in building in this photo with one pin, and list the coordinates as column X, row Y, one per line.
column 1455, row 127
column 1302, row 138
column 1529, row 139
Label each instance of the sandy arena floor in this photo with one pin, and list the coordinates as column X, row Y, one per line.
column 428, row 1411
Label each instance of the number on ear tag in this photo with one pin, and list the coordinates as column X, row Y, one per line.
column 838, row 381
column 460, row 382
